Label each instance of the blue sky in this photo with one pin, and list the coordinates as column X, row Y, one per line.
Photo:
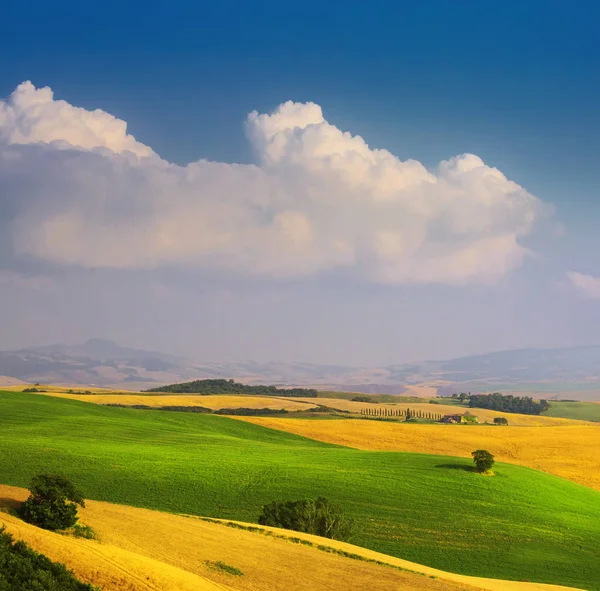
column 515, row 83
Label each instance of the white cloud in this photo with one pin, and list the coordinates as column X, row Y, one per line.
column 319, row 200
column 586, row 284
column 31, row 115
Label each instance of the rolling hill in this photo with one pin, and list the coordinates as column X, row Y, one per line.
column 141, row 550
column 518, row 525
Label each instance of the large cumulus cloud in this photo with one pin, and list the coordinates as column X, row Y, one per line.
column 78, row 190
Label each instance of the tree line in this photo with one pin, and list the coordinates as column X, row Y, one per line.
column 401, row 412
column 524, row 405
column 222, row 386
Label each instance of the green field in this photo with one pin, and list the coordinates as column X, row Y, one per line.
column 585, row 411
column 520, row 524
column 383, row 398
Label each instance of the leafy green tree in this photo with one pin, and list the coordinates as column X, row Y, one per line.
column 22, row 569
column 483, row 459
column 500, row 421
column 312, row 516
column 52, row 503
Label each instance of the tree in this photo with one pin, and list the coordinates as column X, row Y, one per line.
column 500, row 421
column 483, row 459
column 22, row 568
column 313, row 516
column 52, row 503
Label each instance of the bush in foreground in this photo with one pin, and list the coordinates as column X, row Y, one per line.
column 52, row 503
column 483, row 459
column 22, row 569
column 311, row 516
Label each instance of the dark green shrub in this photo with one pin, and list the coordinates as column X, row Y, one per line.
column 223, row 567
column 83, row 531
column 251, row 412
column 312, row 516
column 52, row 503
column 500, row 421
column 483, row 459
column 22, row 569
column 361, row 399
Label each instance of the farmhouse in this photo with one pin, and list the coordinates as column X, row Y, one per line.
column 459, row 418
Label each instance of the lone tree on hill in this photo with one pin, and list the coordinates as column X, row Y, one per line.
column 52, row 503
column 483, row 459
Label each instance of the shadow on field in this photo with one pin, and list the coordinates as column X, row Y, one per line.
column 457, row 467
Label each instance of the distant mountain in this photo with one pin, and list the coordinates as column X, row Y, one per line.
column 105, row 363
column 559, row 373
column 571, row 369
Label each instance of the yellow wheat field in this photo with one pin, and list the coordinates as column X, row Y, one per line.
column 63, row 389
column 142, row 550
column 212, row 402
column 571, row 452
column 445, row 409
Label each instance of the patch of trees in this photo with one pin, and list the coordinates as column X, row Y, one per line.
column 508, row 403
column 248, row 412
column 500, row 421
column 199, row 409
column 221, row 386
column 363, row 399
column 312, row 516
column 251, row 412
column 22, row 569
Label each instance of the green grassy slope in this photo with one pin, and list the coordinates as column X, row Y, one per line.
column 519, row 524
column 585, row 411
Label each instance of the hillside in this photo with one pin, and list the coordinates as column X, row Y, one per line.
column 212, row 402
column 511, row 526
column 133, row 538
column 571, row 452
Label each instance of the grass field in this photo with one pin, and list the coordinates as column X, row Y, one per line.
column 520, row 524
column 212, row 402
column 568, row 452
column 387, row 398
column 585, row 411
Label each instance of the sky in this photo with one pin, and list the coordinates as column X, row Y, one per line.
column 330, row 182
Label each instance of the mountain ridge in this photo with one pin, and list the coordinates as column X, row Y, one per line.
column 552, row 372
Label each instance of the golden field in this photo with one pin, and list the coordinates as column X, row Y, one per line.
column 571, row 452
column 213, row 402
column 447, row 409
column 58, row 388
column 142, row 550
